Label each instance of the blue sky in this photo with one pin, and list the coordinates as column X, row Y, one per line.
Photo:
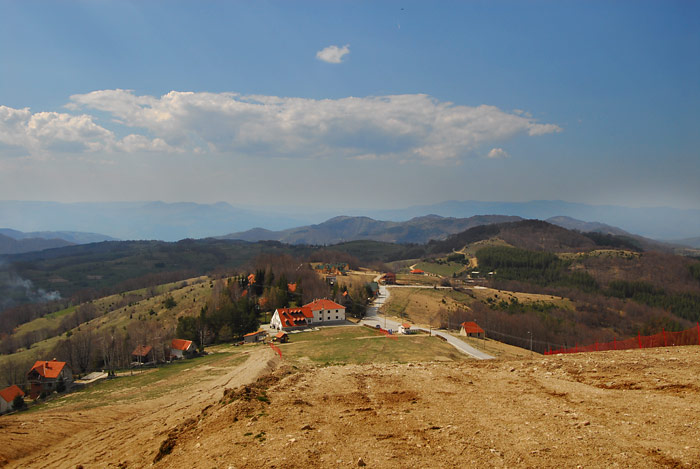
column 594, row 102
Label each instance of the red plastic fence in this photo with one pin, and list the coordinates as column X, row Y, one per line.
column 388, row 334
column 276, row 349
column 662, row 339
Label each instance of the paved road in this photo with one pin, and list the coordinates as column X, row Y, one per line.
column 372, row 318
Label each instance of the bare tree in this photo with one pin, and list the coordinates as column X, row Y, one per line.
column 83, row 348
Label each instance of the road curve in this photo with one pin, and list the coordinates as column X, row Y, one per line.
column 373, row 319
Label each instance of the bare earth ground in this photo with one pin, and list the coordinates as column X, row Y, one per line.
column 635, row 408
column 128, row 432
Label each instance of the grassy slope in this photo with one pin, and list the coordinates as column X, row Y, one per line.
column 189, row 300
column 355, row 345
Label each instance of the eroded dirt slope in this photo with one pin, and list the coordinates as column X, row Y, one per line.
column 636, row 408
column 610, row 409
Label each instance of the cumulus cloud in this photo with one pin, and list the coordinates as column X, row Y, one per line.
column 498, row 153
column 61, row 132
column 403, row 127
column 333, row 54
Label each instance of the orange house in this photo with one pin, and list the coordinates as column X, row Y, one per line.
column 45, row 376
column 472, row 329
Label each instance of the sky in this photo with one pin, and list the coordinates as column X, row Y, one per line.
column 333, row 105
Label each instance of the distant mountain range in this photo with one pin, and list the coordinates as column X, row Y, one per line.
column 139, row 220
column 341, row 229
column 661, row 223
column 175, row 221
column 17, row 242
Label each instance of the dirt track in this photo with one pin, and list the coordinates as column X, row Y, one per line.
column 609, row 409
column 114, row 434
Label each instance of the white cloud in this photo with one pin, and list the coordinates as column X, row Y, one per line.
column 498, row 153
column 54, row 132
column 333, row 54
column 402, row 127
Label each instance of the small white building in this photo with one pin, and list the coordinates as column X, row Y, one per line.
column 325, row 311
column 287, row 319
column 405, row 328
column 180, row 348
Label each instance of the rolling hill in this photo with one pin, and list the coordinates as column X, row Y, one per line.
column 343, row 228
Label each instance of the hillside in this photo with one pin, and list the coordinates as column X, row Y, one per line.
column 73, row 237
column 549, row 412
column 10, row 245
column 418, row 230
column 527, row 234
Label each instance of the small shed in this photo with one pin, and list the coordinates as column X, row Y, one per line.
column 405, row 328
column 253, row 337
column 7, row 396
column 389, row 278
column 418, row 272
column 281, row 337
column 142, row 354
column 472, row 329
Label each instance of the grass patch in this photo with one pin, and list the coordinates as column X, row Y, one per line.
column 358, row 345
column 446, row 269
column 146, row 384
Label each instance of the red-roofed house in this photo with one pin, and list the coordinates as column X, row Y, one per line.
column 471, row 329
column 45, row 376
column 405, row 328
column 287, row 319
column 142, row 354
column 418, row 272
column 325, row 311
column 292, row 287
column 8, row 395
column 253, row 337
column 180, row 348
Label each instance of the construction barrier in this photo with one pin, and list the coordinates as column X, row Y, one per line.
column 276, row 349
column 662, row 339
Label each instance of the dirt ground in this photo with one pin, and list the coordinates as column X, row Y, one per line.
column 634, row 408
column 121, row 435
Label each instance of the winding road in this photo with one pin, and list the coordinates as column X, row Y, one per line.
column 373, row 319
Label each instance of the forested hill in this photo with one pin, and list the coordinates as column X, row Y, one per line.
column 534, row 235
column 9, row 245
column 342, row 229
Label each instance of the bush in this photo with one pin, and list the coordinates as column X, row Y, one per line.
column 18, row 402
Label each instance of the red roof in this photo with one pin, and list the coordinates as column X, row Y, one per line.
column 9, row 394
column 181, row 344
column 417, row 271
column 142, row 350
column 472, row 328
column 280, row 335
column 254, row 333
column 293, row 317
column 406, row 325
column 317, row 305
column 48, row 369
column 251, row 278
column 292, row 287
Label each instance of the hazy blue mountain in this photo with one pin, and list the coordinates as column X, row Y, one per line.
column 138, row 220
column 597, row 227
column 17, row 246
column 344, row 228
column 692, row 242
column 651, row 222
column 73, row 237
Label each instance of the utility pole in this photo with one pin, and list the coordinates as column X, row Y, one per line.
column 529, row 332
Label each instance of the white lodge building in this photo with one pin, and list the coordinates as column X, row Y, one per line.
column 317, row 312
